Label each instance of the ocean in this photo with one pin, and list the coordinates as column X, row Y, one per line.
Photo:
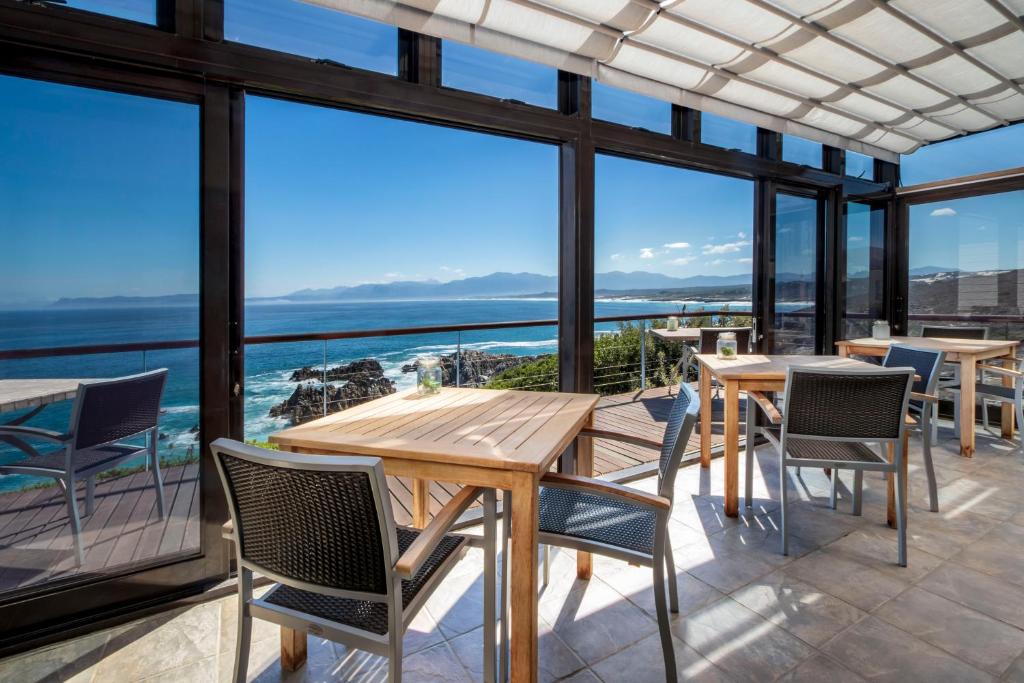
column 268, row 367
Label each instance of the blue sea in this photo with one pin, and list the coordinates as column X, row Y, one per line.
column 268, row 367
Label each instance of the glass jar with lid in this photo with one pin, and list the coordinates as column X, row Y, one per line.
column 428, row 375
column 880, row 330
column 726, row 346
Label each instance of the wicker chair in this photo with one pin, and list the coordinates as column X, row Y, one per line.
column 950, row 377
column 709, row 344
column 321, row 527
column 831, row 417
column 621, row 522
column 952, row 332
column 996, row 392
column 923, row 400
column 105, row 414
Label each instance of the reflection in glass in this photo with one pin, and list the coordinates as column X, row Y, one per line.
column 860, row 165
column 800, row 151
column 481, row 71
column 992, row 150
column 724, row 132
column 136, row 10
column 796, row 274
column 631, row 109
column 865, row 274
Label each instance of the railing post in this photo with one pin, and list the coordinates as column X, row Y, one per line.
column 643, row 355
column 325, row 379
column 458, row 359
column 145, row 366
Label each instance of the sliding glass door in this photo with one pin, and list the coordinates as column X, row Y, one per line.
column 794, row 268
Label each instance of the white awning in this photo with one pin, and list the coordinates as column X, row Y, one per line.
column 873, row 76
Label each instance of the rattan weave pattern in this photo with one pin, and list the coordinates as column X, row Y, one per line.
column 82, row 460
column 316, row 526
column 993, row 389
column 923, row 362
column 863, row 406
column 839, row 451
column 568, row 512
column 709, row 338
column 364, row 614
column 672, row 426
column 946, row 332
column 118, row 410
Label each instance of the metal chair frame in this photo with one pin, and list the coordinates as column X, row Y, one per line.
column 984, row 392
column 68, row 476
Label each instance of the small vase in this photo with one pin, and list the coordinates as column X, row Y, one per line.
column 428, row 375
column 672, row 324
column 726, row 346
column 880, row 330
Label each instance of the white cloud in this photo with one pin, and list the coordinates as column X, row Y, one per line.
column 393, row 276
column 744, row 260
column 647, row 252
column 615, row 257
column 742, row 235
column 726, row 248
column 677, row 245
column 944, row 211
column 856, row 239
column 682, row 260
column 453, row 271
column 717, row 262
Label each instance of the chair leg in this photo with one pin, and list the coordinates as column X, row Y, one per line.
column 984, row 413
column 858, row 492
column 901, row 507
column 76, row 524
column 547, row 565
column 935, row 422
column 660, row 606
column 782, row 505
column 1019, row 405
column 929, row 468
column 749, row 451
column 670, row 570
column 956, row 414
column 833, row 496
column 506, row 530
column 244, row 635
column 490, row 586
column 395, row 633
column 158, row 480
column 90, row 495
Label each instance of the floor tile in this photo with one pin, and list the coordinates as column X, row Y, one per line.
column 984, row 593
column 72, row 660
column 555, row 659
column 876, row 547
column 818, row 669
column 637, row 585
column 200, row 671
column 644, row 662
column 834, row 573
column 995, row 554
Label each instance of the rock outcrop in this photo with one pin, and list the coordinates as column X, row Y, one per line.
column 365, row 367
column 364, row 381
column 475, row 368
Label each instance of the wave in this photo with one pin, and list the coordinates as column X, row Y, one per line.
column 178, row 410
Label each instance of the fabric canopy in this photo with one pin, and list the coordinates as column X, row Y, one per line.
column 873, row 76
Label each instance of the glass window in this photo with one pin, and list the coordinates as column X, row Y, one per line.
column 307, row 30
column 966, row 258
column 652, row 258
column 99, row 218
column 865, row 269
column 724, row 132
column 796, row 274
column 470, row 68
column 332, row 244
column 800, row 151
column 135, row 10
column 860, row 165
column 631, row 109
column 993, row 150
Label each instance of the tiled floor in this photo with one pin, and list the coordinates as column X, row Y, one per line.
column 837, row 609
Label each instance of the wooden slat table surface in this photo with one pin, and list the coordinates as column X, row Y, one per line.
column 499, row 439
column 683, row 334
column 18, row 394
column 966, row 352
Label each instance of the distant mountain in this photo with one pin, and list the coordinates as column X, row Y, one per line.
column 931, row 270
column 127, row 301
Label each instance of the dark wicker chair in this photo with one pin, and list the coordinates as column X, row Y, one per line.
column 952, row 332
column 950, row 377
column 923, row 400
column 709, row 344
column 624, row 523
column 105, row 415
column 832, row 420
column 321, row 527
column 984, row 391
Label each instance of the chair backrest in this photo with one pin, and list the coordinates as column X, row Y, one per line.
column 113, row 409
column 709, row 338
column 925, row 362
column 950, row 332
column 317, row 522
column 846, row 405
column 682, row 417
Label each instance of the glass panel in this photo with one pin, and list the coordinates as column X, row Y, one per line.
column 800, row 151
column 99, row 218
column 865, row 269
column 653, row 259
column 458, row 246
column 992, row 150
column 304, row 29
column 796, row 274
column 966, row 258
column 723, row 132
column 135, row 10
column 860, row 165
column 630, row 109
column 469, row 68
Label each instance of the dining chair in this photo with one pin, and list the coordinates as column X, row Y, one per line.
column 832, row 418
column 997, row 392
column 105, row 416
column 601, row 517
column 950, row 376
column 709, row 344
column 923, row 404
column 321, row 528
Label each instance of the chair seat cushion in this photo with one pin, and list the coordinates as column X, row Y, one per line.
column 593, row 517
column 92, row 459
column 364, row 614
column 990, row 389
column 836, row 451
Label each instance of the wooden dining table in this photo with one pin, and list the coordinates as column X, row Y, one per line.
column 966, row 352
column 746, row 373
column 500, row 439
column 34, row 395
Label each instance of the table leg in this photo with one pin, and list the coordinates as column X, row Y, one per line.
column 843, row 351
column 293, row 649
column 523, row 580
column 490, row 586
column 705, row 418
column 890, row 483
column 1007, row 413
column 420, row 503
column 732, row 448
column 968, row 372
column 585, row 468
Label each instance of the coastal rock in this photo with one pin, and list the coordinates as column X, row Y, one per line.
column 475, row 368
column 365, row 367
column 364, row 381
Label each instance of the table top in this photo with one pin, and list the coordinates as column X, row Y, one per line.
column 934, row 343
column 503, row 429
column 683, row 334
column 772, row 368
column 16, row 394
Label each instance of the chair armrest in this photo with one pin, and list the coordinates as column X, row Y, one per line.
column 619, row 436
column 923, row 397
column 605, row 488
column 773, row 414
column 33, row 432
column 417, row 553
column 1001, row 371
column 227, row 532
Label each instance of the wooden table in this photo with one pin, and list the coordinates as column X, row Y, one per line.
column 966, row 352
column 496, row 439
column 18, row 394
column 746, row 373
column 684, row 335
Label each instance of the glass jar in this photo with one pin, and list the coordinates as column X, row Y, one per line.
column 428, row 375
column 880, row 330
column 673, row 323
column 726, row 346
